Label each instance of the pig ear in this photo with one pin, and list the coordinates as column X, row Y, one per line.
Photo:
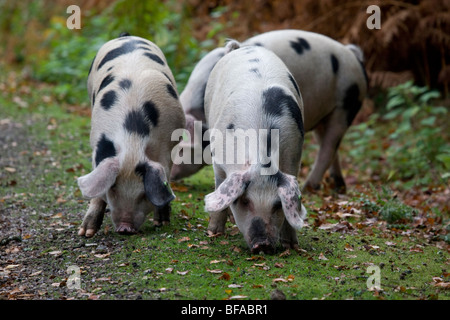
column 157, row 188
column 97, row 183
column 231, row 45
column 290, row 196
column 228, row 191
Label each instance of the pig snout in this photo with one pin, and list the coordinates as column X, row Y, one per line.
column 260, row 240
column 125, row 228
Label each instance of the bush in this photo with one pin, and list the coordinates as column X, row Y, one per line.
column 418, row 146
column 387, row 206
column 165, row 23
column 415, row 149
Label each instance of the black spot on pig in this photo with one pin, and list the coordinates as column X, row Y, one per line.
column 334, row 63
column 259, row 44
column 276, row 100
column 154, row 57
column 93, row 98
column 256, row 72
column 300, row 45
column 171, row 91
column 105, row 149
column 278, row 179
column 230, row 126
column 294, row 83
column 271, row 104
column 110, row 68
column 151, row 112
column 125, row 48
column 135, row 123
column 106, row 81
column 108, row 100
column 168, row 78
column 256, row 60
column 125, row 84
column 351, row 102
column 145, row 43
column 92, row 63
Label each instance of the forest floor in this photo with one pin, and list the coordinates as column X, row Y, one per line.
column 344, row 248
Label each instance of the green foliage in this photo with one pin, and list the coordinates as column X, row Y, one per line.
column 425, row 152
column 165, row 23
column 388, row 206
column 70, row 58
column 415, row 149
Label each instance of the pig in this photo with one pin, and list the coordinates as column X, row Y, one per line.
column 135, row 108
column 250, row 88
column 333, row 82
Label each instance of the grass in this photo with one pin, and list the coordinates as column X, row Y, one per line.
column 46, row 147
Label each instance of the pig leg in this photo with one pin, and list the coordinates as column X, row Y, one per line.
column 288, row 236
column 93, row 218
column 161, row 216
column 329, row 133
column 336, row 175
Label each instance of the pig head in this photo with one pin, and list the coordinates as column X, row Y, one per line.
column 262, row 206
column 130, row 195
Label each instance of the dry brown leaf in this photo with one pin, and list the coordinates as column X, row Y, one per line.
column 322, row 257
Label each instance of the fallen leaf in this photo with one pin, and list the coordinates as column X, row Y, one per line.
column 55, row 253
column 169, row 270
column 235, row 285
column 444, row 285
column 348, row 247
column 183, row 273
column 389, row 243
column 225, row 276
column 322, row 256
column 216, row 261
column 279, row 280
column 279, row 265
column 285, row 253
column 9, row 169
column 184, row 239
column 237, row 297
column 214, row 271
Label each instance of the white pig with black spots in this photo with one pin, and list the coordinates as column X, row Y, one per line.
column 250, row 89
column 135, row 108
column 332, row 81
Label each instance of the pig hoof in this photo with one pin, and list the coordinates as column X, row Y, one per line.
column 311, row 188
column 90, row 233
column 156, row 223
column 87, row 233
column 125, row 228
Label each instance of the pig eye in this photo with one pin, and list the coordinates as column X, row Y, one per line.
column 245, row 201
column 276, row 206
